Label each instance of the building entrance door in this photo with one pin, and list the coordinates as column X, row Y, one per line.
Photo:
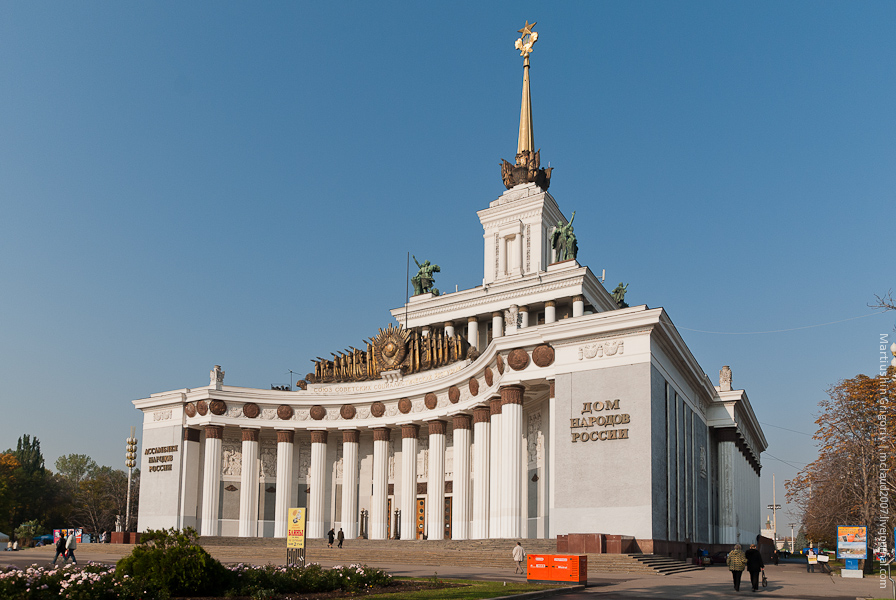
column 448, row 517
column 421, row 518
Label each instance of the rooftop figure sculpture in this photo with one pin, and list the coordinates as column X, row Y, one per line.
column 423, row 280
column 619, row 295
column 563, row 240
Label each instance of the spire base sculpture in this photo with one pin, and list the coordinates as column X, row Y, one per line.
column 527, row 168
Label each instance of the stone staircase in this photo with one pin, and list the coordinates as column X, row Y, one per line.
column 492, row 553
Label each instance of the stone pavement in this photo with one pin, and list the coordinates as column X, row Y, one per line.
column 786, row 581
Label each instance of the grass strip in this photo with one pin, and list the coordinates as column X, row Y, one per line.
column 465, row 589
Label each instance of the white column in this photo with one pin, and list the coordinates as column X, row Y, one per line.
column 728, row 456
column 284, row 488
column 350, row 466
column 189, row 498
column 473, row 331
column 512, row 443
column 449, row 329
column 524, row 317
column 497, row 324
column 249, row 484
column 550, row 311
column 315, row 514
column 460, row 486
column 481, row 478
column 379, row 520
column 578, row 306
column 211, row 480
column 435, row 486
column 495, row 469
column 408, row 502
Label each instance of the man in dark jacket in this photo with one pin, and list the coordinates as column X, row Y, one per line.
column 60, row 549
column 754, row 565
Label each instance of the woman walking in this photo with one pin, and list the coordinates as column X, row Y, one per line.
column 754, row 565
column 736, row 564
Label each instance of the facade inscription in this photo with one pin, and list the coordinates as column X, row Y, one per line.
column 607, row 421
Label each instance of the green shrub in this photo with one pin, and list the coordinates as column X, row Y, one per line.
column 171, row 562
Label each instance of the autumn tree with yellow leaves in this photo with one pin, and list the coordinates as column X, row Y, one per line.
column 853, row 480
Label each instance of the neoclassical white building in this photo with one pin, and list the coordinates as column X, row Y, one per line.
column 528, row 407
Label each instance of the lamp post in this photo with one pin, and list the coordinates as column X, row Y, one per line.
column 130, row 462
column 791, row 536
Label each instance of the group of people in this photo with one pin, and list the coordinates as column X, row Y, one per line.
column 331, row 535
column 66, row 547
column 751, row 560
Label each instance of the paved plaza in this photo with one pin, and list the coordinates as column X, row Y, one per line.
column 788, row 580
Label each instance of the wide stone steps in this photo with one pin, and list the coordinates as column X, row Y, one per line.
column 492, row 553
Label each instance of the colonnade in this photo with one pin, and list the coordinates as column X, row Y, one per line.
column 488, row 505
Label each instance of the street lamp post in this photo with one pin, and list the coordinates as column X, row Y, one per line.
column 130, row 462
column 791, row 536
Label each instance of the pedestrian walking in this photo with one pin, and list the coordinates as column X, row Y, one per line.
column 70, row 544
column 340, row 537
column 60, row 549
column 754, row 565
column 736, row 564
column 519, row 555
column 331, row 535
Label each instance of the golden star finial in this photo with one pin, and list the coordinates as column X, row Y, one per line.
column 527, row 29
column 527, row 39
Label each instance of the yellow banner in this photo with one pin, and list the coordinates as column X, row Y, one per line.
column 295, row 528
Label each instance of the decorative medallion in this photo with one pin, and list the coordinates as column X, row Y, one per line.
column 543, row 355
column 430, row 400
column 190, row 409
column 500, row 361
column 231, row 488
column 251, row 410
column 202, row 407
column 489, row 377
column 377, row 409
column 518, row 359
column 404, row 406
column 217, row 407
column 285, row 412
column 453, row 394
column 347, row 411
column 318, row 412
column 474, row 386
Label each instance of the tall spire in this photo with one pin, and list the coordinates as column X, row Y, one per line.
column 527, row 132
column 526, row 169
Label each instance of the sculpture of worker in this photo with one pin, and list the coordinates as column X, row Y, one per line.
column 563, row 240
column 619, row 295
column 423, row 280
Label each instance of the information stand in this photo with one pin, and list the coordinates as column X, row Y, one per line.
column 295, row 537
column 852, row 546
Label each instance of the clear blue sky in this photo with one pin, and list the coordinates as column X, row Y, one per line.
column 189, row 184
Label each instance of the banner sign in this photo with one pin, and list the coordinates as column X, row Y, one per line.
column 852, row 542
column 295, row 528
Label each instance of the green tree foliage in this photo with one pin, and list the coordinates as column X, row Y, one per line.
column 28, row 486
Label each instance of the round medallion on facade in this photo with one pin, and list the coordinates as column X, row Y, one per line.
column 202, row 407
column 474, row 386
column 543, row 355
column 430, row 401
column 347, row 411
column 217, row 407
column 489, row 377
column 377, row 409
column 318, row 412
column 285, row 412
column 190, row 409
column 404, row 406
column 500, row 361
column 251, row 410
column 518, row 359
column 453, row 394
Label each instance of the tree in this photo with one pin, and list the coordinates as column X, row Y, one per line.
column 9, row 466
column 29, row 484
column 73, row 469
column 843, row 485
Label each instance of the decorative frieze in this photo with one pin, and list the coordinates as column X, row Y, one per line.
column 161, row 415
column 599, row 350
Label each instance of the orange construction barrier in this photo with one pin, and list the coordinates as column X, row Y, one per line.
column 552, row 568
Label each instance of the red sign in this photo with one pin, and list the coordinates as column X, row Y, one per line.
column 565, row 568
